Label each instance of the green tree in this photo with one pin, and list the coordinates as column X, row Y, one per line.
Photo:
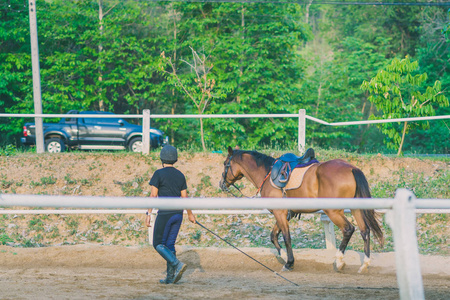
column 86, row 63
column 200, row 87
column 399, row 92
column 253, row 49
column 433, row 54
column 330, row 92
column 15, row 66
column 102, row 59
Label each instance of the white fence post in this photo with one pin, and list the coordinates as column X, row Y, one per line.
column 146, row 132
column 328, row 227
column 150, row 229
column 301, row 131
column 402, row 219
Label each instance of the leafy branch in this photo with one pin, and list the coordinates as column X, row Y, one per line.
column 201, row 91
column 401, row 93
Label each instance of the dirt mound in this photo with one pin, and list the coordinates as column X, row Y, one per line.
column 112, row 174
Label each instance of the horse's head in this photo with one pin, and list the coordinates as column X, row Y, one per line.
column 232, row 172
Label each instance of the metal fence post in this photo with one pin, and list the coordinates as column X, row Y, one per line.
column 402, row 219
column 301, row 131
column 146, row 132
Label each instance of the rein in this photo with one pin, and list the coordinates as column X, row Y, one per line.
column 229, row 191
column 276, row 273
column 262, row 184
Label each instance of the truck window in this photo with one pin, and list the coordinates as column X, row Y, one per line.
column 69, row 121
column 109, row 121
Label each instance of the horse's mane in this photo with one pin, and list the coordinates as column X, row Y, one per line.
column 260, row 158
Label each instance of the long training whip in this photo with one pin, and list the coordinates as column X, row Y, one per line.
column 276, row 273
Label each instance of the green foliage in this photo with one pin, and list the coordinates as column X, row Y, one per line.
column 69, row 179
column 205, row 182
column 36, row 224
column 8, row 150
column 329, row 89
column 250, row 77
column 399, row 92
column 133, row 187
column 4, row 239
column 265, row 58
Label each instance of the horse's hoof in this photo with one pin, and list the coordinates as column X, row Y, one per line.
column 365, row 266
column 338, row 266
column 286, row 269
column 364, row 269
column 281, row 260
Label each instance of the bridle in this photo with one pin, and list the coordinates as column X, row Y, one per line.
column 228, row 167
column 236, row 178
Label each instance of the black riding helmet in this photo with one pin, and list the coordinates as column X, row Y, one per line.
column 169, row 154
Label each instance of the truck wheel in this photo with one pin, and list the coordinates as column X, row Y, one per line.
column 135, row 145
column 55, row 145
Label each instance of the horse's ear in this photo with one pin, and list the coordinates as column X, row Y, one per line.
column 230, row 151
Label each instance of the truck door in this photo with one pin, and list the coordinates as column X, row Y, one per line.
column 106, row 133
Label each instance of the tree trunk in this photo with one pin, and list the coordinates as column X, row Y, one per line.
column 202, row 134
column 307, row 11
column 101, row 103
column 405, row 126
column 172, row 132
column 319, row 94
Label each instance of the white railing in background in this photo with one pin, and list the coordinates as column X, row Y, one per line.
column 146, row 120
column 328, row 226
column 401, row 216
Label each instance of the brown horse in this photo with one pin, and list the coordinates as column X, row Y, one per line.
column 331, row 179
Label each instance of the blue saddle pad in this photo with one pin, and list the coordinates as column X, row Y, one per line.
column 313, row 161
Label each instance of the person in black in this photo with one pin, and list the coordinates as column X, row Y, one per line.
column 168, row 182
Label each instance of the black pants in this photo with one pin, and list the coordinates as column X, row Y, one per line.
column 166, row 230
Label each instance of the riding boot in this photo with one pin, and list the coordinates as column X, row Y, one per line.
column 176, row 269
column 169, row 275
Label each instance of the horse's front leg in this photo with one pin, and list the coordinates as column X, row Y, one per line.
column 274, row 238
column 283, row 225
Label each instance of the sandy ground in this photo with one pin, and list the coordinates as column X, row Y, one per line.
column 117, row 272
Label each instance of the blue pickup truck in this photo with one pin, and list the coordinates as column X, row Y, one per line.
column 92, row 134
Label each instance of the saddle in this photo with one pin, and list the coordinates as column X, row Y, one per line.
column 283, row 166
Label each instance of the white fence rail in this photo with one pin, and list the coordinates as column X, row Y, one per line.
column 400, row 216
column 146, row 120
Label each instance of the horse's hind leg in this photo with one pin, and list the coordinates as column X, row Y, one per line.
column 347, row 229
column 365, row 233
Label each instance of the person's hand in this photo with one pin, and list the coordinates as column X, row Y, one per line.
column 192, row 218
column 147, row 221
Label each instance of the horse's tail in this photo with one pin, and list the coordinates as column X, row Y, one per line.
column 371, row 218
